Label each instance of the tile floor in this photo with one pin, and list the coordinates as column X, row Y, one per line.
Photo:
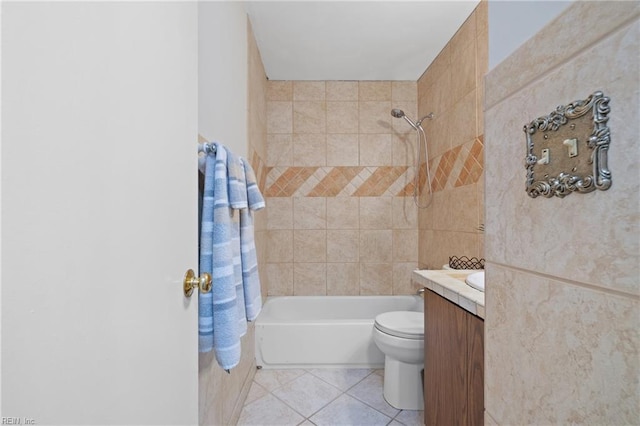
column 331, row 397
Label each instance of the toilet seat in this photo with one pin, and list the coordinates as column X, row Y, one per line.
column 403, row 324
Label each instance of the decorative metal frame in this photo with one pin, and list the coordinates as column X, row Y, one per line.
column 566, row 183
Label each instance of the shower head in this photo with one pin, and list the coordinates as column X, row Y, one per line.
column 398, row 113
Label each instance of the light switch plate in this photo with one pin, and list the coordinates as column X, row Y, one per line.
column 567, row 149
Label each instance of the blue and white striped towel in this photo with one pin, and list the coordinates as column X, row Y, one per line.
column 250, row 277
column 237, row 201
column 237, row 182
column 218, row 313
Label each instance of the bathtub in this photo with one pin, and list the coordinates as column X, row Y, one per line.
column 323, row 331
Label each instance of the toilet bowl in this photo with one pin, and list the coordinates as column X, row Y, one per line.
column 400, row 336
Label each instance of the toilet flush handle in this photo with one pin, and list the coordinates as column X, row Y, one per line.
column 420, row 292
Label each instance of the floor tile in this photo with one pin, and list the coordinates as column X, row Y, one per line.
column 411, row 417
column 255, row 392
column 370, row 391
column 268, row 410
column 307, row 394
column 395, row 423
column 342, row 378
column 348, row 411
column 273, row 379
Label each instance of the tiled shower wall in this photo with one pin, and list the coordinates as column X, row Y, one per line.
column 452, row 88
column 340, row 168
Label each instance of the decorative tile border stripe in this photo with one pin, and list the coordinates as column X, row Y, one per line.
column 462, row 165
column 260, row 169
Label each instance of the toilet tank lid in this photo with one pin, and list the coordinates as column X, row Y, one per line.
column 401, row 323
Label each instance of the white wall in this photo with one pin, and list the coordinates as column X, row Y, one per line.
column 222, row 74
column 511, row 23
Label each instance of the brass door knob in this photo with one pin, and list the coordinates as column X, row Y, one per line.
column 192, row 282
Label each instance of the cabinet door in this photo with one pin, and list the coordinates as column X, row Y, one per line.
column 445, row 372
column 475, row 370
column 453, row 359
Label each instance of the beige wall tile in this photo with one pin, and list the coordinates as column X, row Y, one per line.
column 309, row 149
column 280, row 276
column 375, row 117
column 402, row 277
column 442, row 90
column 601, row 19
column 308, row 90
column 457, row 209
column 425, row 244
column 439, row 134
column 279, row 90
column 562, row 311
column 404, row 213
column 342, row 117
column 443, row 244
column 375, row 212
column 310, row 213
column 343, row 245
column 375, row 150
column 309, row 245
column 438, row 67
column 343, row 279
column 480, row 108
column 280, row 243
column 482, row 57
column 558, row 352
column 309, row 117
column 376, row 246
column 279, row 117
column 342, row 90
column 482, row 16
column 405, row 245
column 310, row 279
column 305, row 139
column 279, row 150
column 404, row 91
column 463, row 116
column 609, row 254
column 465, row 35
column 343, row 150
column 403, row 148
column 343, row 213
column 279, row 213
column 375, row 91
column 376, row 278
column 463, row 71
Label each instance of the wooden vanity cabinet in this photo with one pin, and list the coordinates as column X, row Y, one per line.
column 453, row 364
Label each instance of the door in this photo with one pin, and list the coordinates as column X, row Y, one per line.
column 99, row 212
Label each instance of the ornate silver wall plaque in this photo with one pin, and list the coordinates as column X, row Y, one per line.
column 567, row 149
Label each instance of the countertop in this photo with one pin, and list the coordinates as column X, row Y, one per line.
column 450, row 285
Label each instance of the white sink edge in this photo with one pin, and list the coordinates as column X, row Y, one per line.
column 476, row 280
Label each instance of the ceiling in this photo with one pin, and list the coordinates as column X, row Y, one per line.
column 353, row 40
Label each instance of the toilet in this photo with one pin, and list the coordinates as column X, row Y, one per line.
column 400, row 336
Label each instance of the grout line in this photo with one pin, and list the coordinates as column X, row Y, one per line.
column 544, row 74
column 568, row 281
